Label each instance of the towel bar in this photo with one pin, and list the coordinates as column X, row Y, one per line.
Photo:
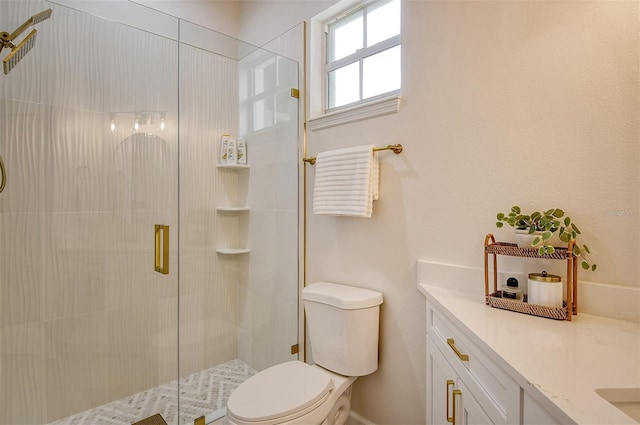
column 395, row 148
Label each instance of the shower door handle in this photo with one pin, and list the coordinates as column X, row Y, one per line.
column 3, row 176
column 162, row 248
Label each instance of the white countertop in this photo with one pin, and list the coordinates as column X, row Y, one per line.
column 564, row 361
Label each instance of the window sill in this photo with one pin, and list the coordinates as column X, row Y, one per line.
column 389, row 105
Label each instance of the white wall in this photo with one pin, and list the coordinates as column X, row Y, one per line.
column 220, row 15
column 531, row 103
column 263, row 20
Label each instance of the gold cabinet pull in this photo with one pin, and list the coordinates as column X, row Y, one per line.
column 162, row 248
column 449, row 418
column 452, row 344
column 3, row 176
column 455, row 393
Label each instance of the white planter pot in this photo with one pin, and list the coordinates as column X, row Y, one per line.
column 524, row 238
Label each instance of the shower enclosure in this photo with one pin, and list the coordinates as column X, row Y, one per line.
column 109, row 127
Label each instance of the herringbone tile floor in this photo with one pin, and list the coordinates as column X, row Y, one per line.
column 200, row 393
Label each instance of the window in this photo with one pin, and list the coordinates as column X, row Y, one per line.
column 363, row 54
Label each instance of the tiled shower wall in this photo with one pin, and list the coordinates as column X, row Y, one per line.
column 208, row 283
column 84, row 319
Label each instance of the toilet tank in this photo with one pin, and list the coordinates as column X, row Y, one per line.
column 343, row 325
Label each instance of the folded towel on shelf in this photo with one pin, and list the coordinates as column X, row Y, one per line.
column 346, row 181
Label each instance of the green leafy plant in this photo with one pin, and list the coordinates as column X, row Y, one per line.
column 547, row 223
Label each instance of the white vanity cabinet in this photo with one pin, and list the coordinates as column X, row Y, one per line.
column 470, row 413
column 472, row 385
column 502, row 367
column 448, row 395
column 466, row 382
column 534, row 413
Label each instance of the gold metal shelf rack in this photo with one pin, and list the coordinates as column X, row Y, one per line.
column 494, row 299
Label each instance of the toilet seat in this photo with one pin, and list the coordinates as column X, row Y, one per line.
column 278, row 394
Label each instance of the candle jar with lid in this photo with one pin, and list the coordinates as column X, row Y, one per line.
column 545, row 289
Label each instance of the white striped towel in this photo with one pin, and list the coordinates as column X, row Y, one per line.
column 346, row 181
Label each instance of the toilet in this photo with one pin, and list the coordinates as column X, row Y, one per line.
column 343, row 323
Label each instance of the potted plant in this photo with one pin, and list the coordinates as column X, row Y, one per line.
column 544, row 225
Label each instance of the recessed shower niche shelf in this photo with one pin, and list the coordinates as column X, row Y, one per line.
column 233, row 209
column 232, row 251
column 233, row 166
column 233, row 217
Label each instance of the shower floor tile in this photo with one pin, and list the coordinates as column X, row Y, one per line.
column 200, row 393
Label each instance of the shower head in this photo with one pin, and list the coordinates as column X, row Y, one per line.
column 19, row 51
column 39, row 17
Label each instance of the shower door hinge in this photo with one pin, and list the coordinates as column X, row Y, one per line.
column 295, row 93
column 294, row 349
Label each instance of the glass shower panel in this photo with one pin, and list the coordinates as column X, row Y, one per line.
column 208, row 299
column 88, row 134
column 93, row 146
column 238, row 240
column 269, row 292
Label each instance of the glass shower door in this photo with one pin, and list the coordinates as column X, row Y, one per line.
column 89, row 138
column 238, row 221
column 99, row 150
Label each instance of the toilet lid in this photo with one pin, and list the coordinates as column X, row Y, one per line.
column 278, row 391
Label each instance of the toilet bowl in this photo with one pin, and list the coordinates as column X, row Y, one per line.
column 343, row 323
column 291, row 393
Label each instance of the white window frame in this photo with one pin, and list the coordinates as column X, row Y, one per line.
column 320, row 116
column 358, row 56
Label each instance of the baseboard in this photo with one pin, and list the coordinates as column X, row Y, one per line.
column 356, row 419
column 599, row 299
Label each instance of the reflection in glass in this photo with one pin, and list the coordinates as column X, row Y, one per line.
column 265, row 76
column 262, row 114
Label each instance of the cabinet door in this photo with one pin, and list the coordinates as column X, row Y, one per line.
column 534, row 413
column 440, row 385
column 468, row 410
